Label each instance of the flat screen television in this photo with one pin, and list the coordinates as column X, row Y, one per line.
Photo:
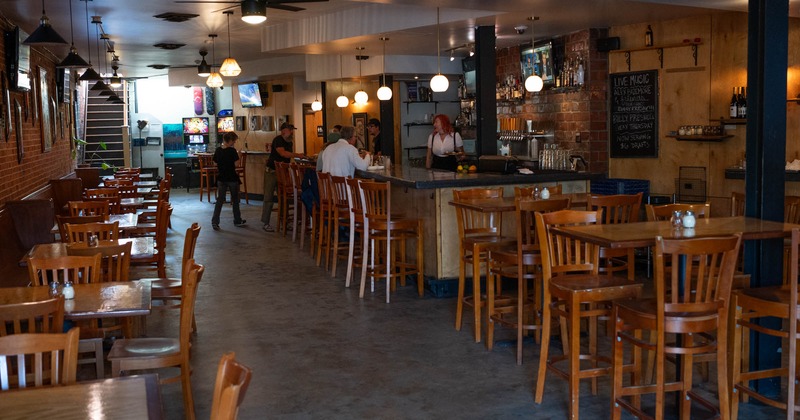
column 249, row 95
column 196, row 138
column 538, row 59
column 224, row 124
column 468, row 66
column 195, row 125
column 18, row 59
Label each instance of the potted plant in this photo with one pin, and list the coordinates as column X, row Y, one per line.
column 79, row 146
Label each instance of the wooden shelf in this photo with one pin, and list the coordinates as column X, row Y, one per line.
column 659, row 49
column 416, row 124
column 732, row 121
column 701, row 138
column 435, row 104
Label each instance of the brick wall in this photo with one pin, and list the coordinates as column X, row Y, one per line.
column 20, row 179
column 567, row 111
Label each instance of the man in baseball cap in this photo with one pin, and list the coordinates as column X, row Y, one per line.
column 287, row 125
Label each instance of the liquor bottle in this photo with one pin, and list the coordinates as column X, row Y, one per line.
column 734, row 112
column 580, row 73
column 648, row 37
column 743, row 104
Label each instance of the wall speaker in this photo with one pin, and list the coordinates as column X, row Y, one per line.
column 277, row 88
column 608, row 44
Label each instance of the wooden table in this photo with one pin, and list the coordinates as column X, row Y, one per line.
column 131, row 202
column 142, row 246
column 127, row 397
column 127, row 221
column 92, row 301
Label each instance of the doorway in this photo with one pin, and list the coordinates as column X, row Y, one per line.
column 313, row 132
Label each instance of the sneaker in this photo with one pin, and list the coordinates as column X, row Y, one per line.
column 215, row 226
column 268, row 228
column 241, row 223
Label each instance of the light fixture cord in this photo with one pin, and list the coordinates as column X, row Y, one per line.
column 88, row 44
column 43, row 13
column 359, row 73
column 213, row 54
column 341, row 75
column 97, row 34
column 438, row 47
column 229, row 33
column 71, row 26
column 384, row 61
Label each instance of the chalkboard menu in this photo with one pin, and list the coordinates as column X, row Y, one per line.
column 634, row 114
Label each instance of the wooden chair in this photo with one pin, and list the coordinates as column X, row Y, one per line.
column 574, row 289
column 230, row 387
column 622, row 208
column 75, row 220
column 64, row 191
column 340, row 218
column 36, row 360
column 89, row 208
column 522, row 263
column 528, row 192
column 477, row 232
column 80, row 232
column 691, row 303
column 324, row 218
column 758, row 303
column 105, row 194
column 296, row 174
column 737, row 204
column 287, row 199
column 45, row 316
column 134, row 354
column 78, row 270
column 33, row 220
column 357, row 216
column 389, row 235
column 208, row 175
column 115, row 263
column 159, row 233
column 241, row 170
column 118, row 182
column 664, row 212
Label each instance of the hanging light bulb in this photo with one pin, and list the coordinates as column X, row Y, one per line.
column 229, row 67
column 254, row 11
column 44, row 34
column 316, row 105
column 439, row 83
column 203, row 69
column 452, row 58
column 342, row 100
column 72, row 60
column 214, row 79
column 471, row 50
column 533, row 83
column 360, row 97
column 384, row 92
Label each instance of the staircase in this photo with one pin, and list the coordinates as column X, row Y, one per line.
column 104, row 127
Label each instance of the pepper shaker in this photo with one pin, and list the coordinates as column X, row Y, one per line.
column 677, row 219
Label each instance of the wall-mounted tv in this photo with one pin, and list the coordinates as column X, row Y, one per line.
column 18, row 59
column 224, row 124
column 195, row 125
column 249, row 95
column 539, row 60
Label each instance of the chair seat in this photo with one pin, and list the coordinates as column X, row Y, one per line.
column 641, row 313
column 511, row 257
column 163, row 283
column 766, row 301
column 144, row 348
column 601, row 287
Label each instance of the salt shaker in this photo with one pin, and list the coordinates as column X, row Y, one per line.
column 68, row 291
column 535, row 193
column 545, row 194
column 677, row 219
column 688, row 219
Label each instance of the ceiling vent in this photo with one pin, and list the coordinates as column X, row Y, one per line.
column 176, row 17
column 158, row 66
column 168, row 45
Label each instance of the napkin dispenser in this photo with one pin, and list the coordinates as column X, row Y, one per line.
column 497, row 164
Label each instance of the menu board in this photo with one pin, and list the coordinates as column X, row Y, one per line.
column 634, row 114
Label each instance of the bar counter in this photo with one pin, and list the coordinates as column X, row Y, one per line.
column 423, row 193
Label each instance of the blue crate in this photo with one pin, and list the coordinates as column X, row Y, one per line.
column 612, row 186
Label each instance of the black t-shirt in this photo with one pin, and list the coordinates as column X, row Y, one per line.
column 274, row 156
column 376, row 144
column 226, row 158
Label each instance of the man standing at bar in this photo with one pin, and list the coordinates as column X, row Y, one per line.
column 281, row 152
column 342, row 158
column 374, row 128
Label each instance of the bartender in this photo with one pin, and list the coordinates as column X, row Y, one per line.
column 445, row 147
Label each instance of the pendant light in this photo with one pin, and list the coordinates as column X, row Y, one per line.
column 90, row 75
column 203, row 69
column 342, row 100
column 316, row 105
column 360, row 97
column 254, row 11
column 72, row 60
column 115, row 81
column 439, row 83
column 214, row 79
column 384, row 92
column 229, row 67
column 44, row 34
column 533, row 83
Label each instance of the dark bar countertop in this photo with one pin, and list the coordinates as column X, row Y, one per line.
column 738, row 173
column 421, row 178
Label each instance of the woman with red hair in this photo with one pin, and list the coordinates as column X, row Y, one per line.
column 445, row 147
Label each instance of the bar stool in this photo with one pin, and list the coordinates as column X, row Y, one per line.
column 622, row 208
column 208, row 174
column 477, row 231
column 324, row 218
column 241, row 170
column 357, row 217
column 341, row 217
column 296, row 175
column 389, row 235
column 286, row 198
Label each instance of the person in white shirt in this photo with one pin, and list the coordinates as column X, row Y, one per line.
column 445, row 147
column 342, row 158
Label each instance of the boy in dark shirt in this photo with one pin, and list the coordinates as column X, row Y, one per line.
column 227, row 179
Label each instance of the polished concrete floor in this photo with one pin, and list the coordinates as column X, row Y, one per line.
column 318, row 351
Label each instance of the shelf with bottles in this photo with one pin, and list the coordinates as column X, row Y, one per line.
column 714, row 138
column 659, row 49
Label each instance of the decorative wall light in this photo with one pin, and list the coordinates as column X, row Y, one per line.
column 342, row 100
column 533, row 83
column 254, row 11
column 384, row 92
column 72, row 60
column 229, row 67
column 44, row 34
column 360, row 97
column 439, row 83
column 214, row 79
column 115, row 81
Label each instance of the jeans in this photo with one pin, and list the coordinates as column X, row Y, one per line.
column 222, row 189
column 270, row 184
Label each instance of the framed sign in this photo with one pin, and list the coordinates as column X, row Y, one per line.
column 46, row 111
column 360, row 123
column 239, row 121
column 634, row 114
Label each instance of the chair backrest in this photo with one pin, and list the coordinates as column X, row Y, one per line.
column 529, row 191
column 562, row 254
column 229, row 388
column 206, row 161
column 115, row 264
column 75, row 220
column 33, row 220
column 707, row 277
column 65, row 190
column 354, row 196
column 324, row 187
column 36, row 360
column 163, row 213
column 664, row 212
column 127, row 191
column 45, row 316
column 791, row 209
column 89, row 208
column 338, row 192
column 622, row 208
column 78, row 270
column 477, row 223
column 376, row 199
column 118, row 182
column 737, row 204
column 526, row 221
column 193, row 273
column 109, row 194
column 190, row 241
column 282, row 174
column 80, row 232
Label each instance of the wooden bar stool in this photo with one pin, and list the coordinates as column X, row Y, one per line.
column 356, row 250
column 341, row 218
column 286, row 198
column 208, row 174
column 241, row 170
column 324, row 218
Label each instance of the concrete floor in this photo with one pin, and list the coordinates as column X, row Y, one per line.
column 318, row 351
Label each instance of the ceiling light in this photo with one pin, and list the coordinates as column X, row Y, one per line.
column 214, row 79
column 203, row 69
column 533, row 83
column 44, row 34
column 90, row 74
column 115, row 80
column 360, row 97
column 254, row 11
column 384, row 92
column 439, row 83
column 316, row 105
column 342, row 100
column 99, row 85
column 471, row 51
column 452, row 58
column 229, row 68
column 72, row 60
